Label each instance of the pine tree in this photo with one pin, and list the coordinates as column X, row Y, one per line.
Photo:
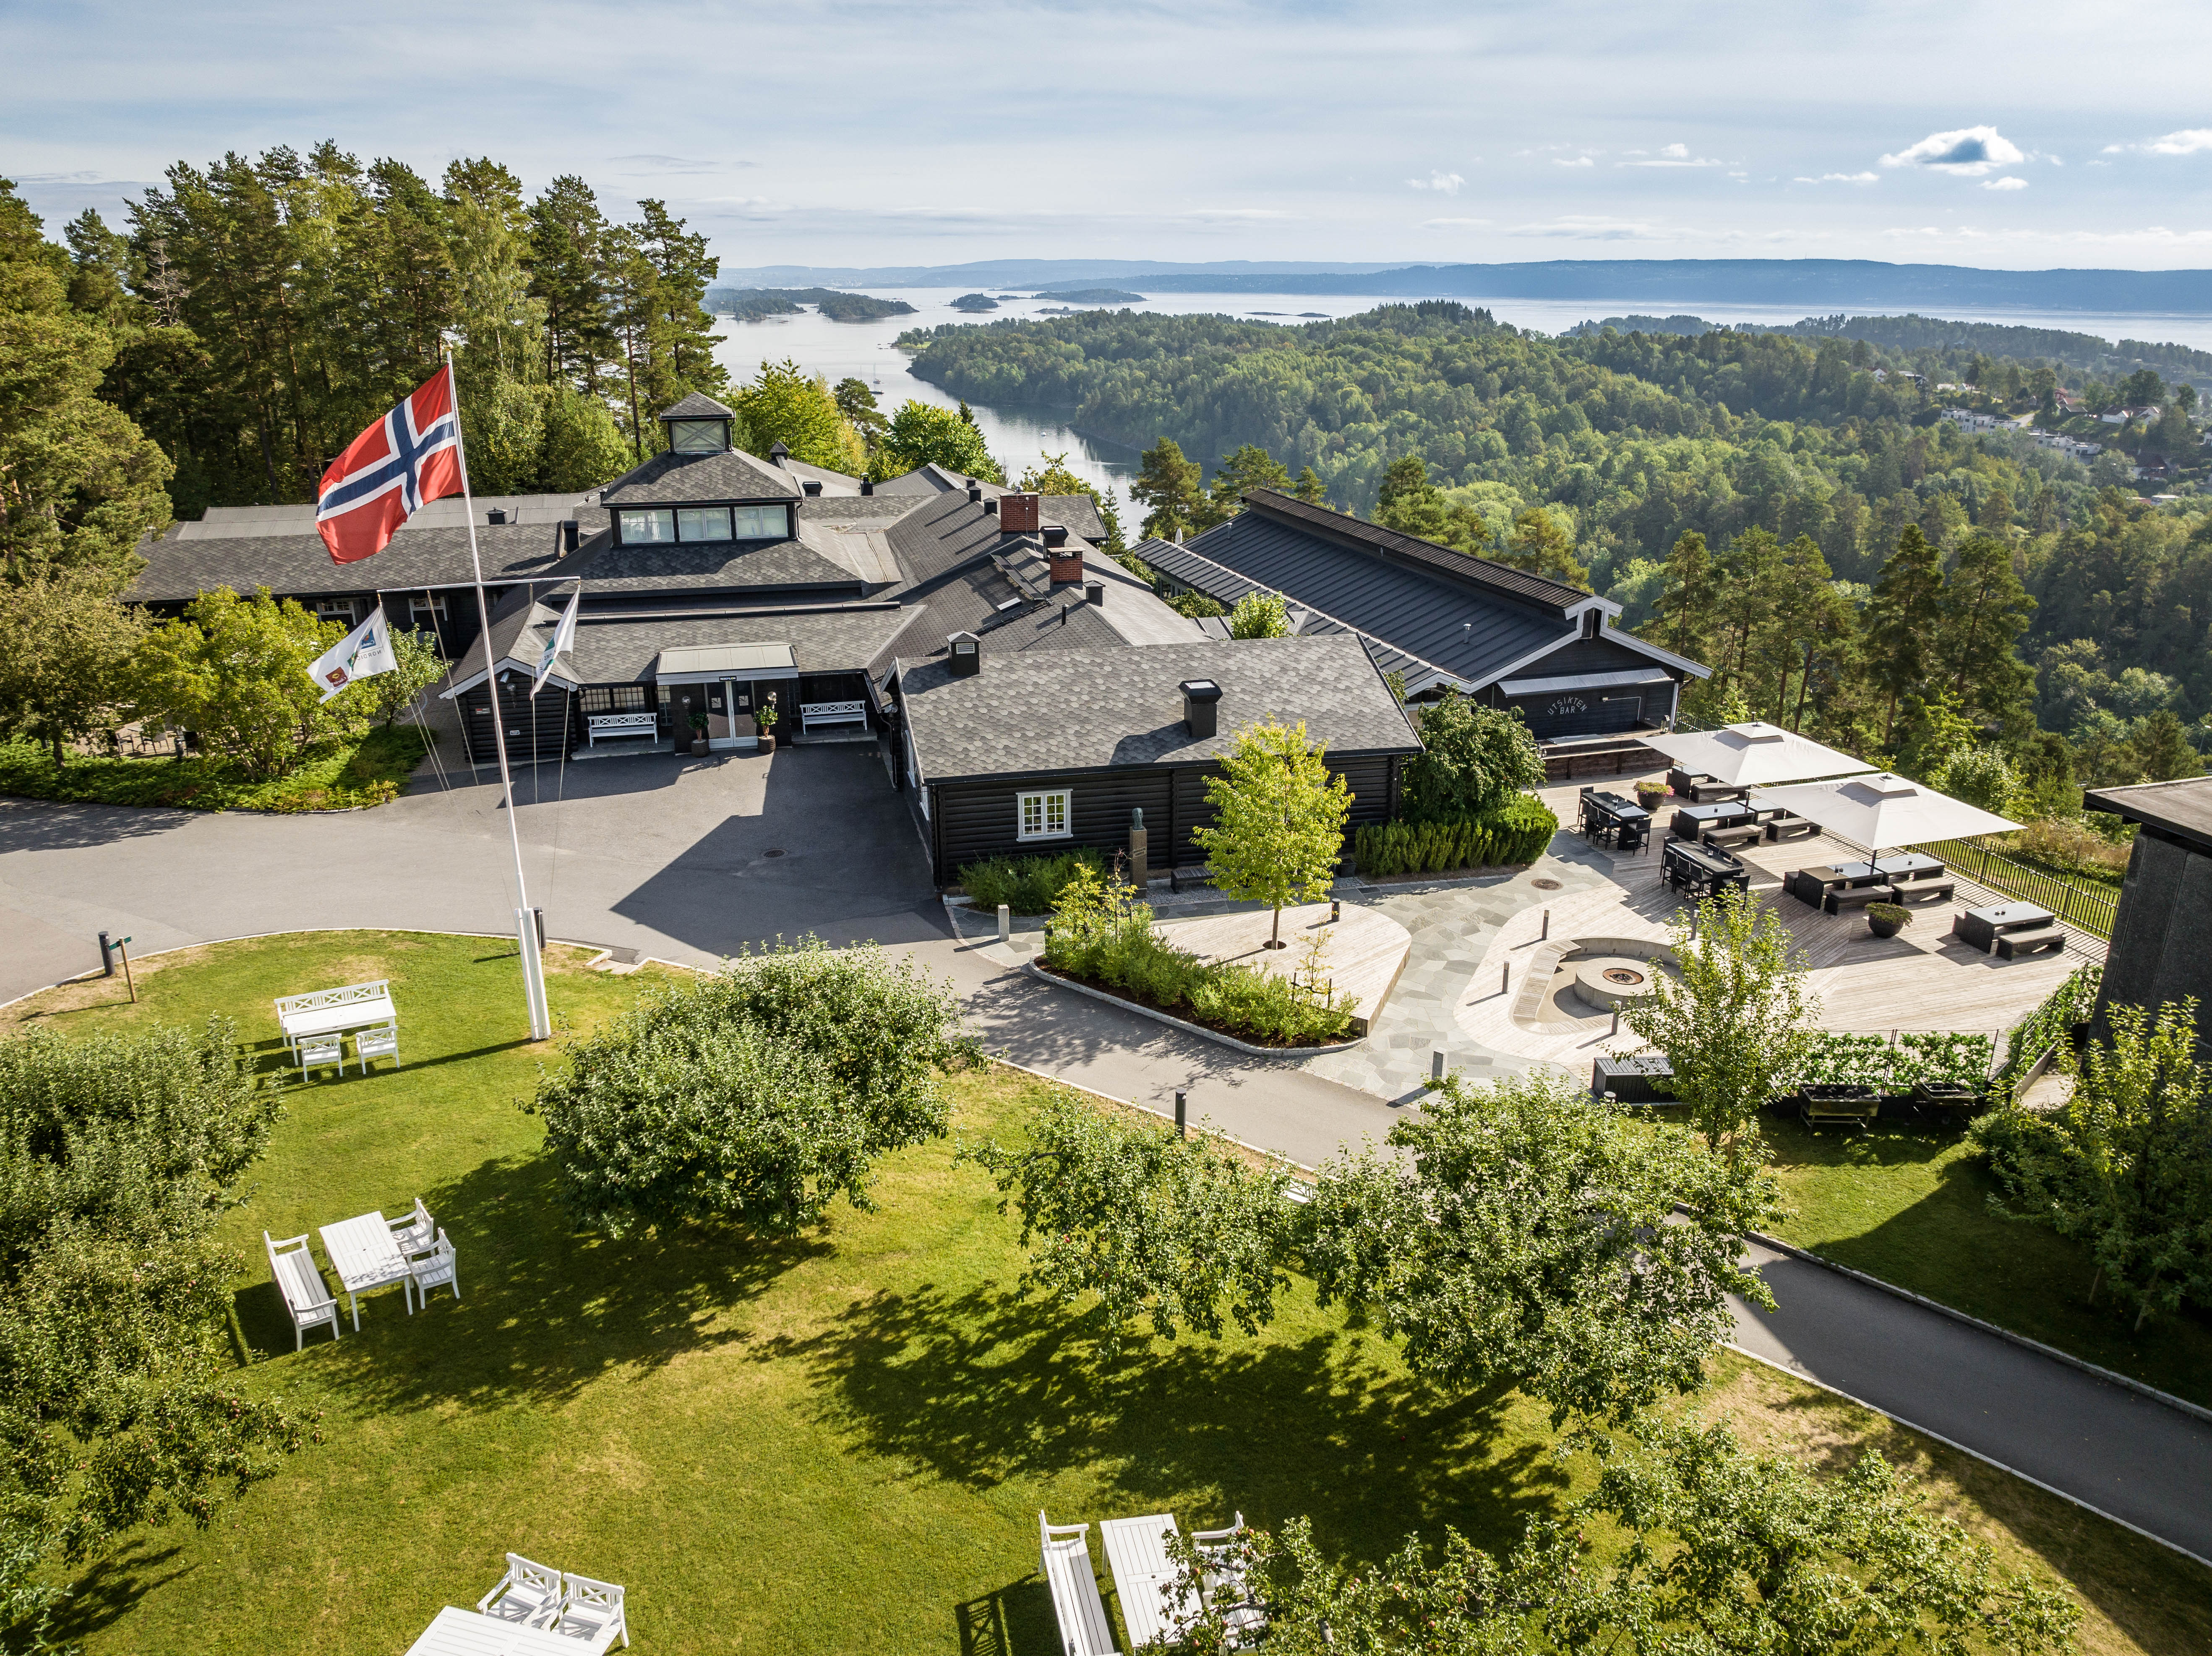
column 567, row 248
column 1310, row 488
column 680, row 335
column 1249, row 467
column 1167, row 485
column 1901, row 619
column 1983, row 610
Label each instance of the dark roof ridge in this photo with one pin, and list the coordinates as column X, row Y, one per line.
column 697, row 406
column 1498, row 577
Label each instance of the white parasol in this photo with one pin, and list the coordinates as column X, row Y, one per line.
column 1751, row 756
column 1882, row 812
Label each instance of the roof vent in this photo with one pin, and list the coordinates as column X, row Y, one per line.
column 1201, row 701
column 570, row 533
column 812, row 488
column 974, row 493
column 1055, row 535
column 496, row 515
column 867, row 486
column 1094, row 591
column 965, row 654
column 991, row 508
column 778, row 453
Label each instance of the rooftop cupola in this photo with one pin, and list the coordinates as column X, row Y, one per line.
column 698, row 424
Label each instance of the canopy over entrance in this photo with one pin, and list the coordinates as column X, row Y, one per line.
column 1752, row 756
column 1883, row 812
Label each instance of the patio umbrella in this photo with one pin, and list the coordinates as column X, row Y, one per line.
column 1882, row 812
column 1751, row 756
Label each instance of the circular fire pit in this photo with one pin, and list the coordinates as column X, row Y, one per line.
column 1603, row 983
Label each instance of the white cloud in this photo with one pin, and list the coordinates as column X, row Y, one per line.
column 2004, row 184
column 1675, row 152
column 1577, row 227
column 1451, row 224
column 1842, row 177
column 1967, row 153
column 1578, row 161
column 1444, row 183
column 2189, row 142
column 1674, row 155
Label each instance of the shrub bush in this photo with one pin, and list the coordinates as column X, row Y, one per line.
column 1517, row 833
column 1103, row 935
column 1027, row 885
column 1871, row 1061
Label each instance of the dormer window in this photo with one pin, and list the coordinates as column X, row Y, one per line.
column 698, row 436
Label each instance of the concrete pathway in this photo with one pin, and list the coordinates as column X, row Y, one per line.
column 677, row 861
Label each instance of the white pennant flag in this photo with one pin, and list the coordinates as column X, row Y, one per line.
column 362, row 653
column 563, row 636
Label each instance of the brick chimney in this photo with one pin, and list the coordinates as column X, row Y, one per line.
column 1064, row 553
column 1018, row 513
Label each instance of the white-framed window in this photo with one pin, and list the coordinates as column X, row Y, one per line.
column 338, row 609
column 702, row 523
column 1043, row 816
column 427, row 609
column 652, row 523
column 762, row 523
column 697, row 436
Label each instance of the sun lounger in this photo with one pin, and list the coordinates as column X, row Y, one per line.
column 1065, row 1561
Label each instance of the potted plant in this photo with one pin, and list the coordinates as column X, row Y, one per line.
column 699, row 736
column 1887, row 920
column 766, row 718
column 1650, row 795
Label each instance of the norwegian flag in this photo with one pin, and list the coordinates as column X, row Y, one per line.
column 411, row 456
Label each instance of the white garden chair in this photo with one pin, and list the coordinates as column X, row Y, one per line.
column 307, row 1299
column 438, row 1269
column 415, row 1234
column 383, row 1041
column 321, row 1052
column 1227, row 1588
column 592, row 1614
column 528, row 1593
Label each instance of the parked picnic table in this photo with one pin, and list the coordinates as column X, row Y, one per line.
column 1690, row 821
column 334, row 1011
column 367, row 1256
column 1703, row 870
column 1983, row 926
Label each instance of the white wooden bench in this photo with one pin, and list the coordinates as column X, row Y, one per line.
column 811, row 713
column 1064, row 1559
column 307, row 1299
column 646, row 725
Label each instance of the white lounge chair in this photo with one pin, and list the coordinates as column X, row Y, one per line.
column 307, row 1299
column 528, row 1593
column 321, row 1052
column 1063, row 1558
column 383, row 1041
column 1226, row 1586
column 437, row 1269
column 592, row 1614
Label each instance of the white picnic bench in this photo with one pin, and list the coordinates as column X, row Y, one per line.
column 307, row 1299
column 1063, row 1558
column 645, row 723
column 1154, row 1604
column 811, row 713
column 334, row 1011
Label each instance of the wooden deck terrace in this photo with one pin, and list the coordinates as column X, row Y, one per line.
column 1922, row 980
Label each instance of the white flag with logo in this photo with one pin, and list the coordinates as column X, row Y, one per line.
column 362, row 653
column 564, row 636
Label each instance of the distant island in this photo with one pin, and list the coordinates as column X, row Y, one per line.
column 975, row 302
column 1093, row 296
column 753, row 304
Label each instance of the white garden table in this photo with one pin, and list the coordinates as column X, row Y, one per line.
column 334, row 1011
column 1136, row 1551
column 464, row 1633
column 366, row 1256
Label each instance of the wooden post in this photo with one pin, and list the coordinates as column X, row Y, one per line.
column 123, row 948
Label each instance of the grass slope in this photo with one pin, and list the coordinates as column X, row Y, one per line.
column 836, row 1444
column 333, row 777
column 1909, row 1205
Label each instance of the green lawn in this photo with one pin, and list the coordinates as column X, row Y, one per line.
column 333, row 776
column 837, row 1445
column 1907, row 1204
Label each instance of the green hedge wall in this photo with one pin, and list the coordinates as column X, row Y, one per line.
column 1517, row 833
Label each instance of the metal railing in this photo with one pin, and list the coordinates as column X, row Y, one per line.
column 2077, row 902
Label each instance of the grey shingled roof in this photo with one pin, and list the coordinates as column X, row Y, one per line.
column 698, row 406
column 1086, row 710
column 1457, row 627
column 1076, row 513
column 676, row 479
column 707, row 567
column 610, row 652
column 299, row 565
column 1504, row 579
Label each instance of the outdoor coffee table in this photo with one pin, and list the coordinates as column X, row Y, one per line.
column 366, row 1256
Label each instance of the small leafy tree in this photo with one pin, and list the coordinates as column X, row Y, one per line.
column 1981, row 776
column 2126, row 1167
column 1167, row 486
column 382, row 698
column 921, row 435
column 1259, row 614
column 1279, row 820
column 65, row 651
column 787, row 404
column 1727, row 1554
column 235, row 671
column 755, row 1096
column 1473, row 760
column 1737, row 1024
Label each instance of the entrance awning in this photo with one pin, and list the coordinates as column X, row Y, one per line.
column 1584, row 682
column 709, row 663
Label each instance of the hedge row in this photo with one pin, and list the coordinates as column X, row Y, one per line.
column 1517, row 833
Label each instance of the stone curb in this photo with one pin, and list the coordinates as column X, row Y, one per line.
column 1198, row 1029
column 2006, row 1334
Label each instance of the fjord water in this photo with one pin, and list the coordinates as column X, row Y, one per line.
column 1022, row 436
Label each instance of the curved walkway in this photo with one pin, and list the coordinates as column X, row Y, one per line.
column 692, row 862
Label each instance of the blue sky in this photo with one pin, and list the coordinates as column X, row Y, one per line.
column 2026, row 135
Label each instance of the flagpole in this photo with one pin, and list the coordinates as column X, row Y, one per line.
column 534, row 968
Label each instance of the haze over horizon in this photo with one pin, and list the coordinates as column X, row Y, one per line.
column 2022, row 137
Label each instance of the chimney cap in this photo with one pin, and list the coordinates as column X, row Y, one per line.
column 990, row 507
column 975, row 492
column 867, row 486
column 811, row 487
column 1054, row 534
column 778, row 453
column 1200, row 689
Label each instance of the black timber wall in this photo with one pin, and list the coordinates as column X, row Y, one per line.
column 970, row 821
column 2157, row 951
column 537, row 726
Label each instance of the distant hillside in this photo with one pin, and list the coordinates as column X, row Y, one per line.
column 1093, row 296
column 751, row 304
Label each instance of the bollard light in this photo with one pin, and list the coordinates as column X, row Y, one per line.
column 1183, row 1129
column 1505, row 979
column 1005, row 924
column 1437, row 1063
column 1546, row 933
column 1616, row 1022
column 1335, row 910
